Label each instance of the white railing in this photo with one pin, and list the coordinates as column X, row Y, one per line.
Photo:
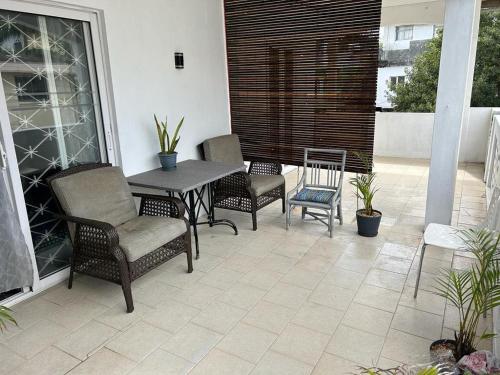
column 492, row 180
column 492, row 163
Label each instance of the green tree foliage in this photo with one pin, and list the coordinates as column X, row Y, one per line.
column 486, row 88
column 418, row 92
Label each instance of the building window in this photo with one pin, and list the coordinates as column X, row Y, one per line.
column 396, row 80
column 404, row 32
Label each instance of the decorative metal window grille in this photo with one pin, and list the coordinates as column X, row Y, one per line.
column 49, row 83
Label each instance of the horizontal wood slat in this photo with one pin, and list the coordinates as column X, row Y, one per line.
column 302, row 73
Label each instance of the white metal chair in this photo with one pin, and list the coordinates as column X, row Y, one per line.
column 322, row 190
column 448, row 237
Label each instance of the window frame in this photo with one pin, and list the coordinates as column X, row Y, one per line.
column 397, row 79
column 402, row 31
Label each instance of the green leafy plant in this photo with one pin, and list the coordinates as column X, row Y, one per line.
column 475, row 291
column 364, row 184
column 6, row 317
column 167, row 143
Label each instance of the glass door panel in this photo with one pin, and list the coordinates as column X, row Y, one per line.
column 50, row 90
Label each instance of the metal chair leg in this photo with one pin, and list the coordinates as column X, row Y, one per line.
column 419, row 269
column 339, row 213
column 330, row 221
column 70, row 280
column 287, row 216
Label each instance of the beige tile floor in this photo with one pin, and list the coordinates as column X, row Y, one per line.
column 265, row 302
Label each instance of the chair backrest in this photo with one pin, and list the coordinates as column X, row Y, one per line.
column 324, row 174
column 94, row 191
column 224, row 149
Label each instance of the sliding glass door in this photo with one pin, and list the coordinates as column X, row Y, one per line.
column 55, row 117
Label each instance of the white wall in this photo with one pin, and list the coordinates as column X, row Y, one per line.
column 409, row 135
column 412, row 11
column 474, row 141
column 383, row 76
column 388, row 35
column 142, row 40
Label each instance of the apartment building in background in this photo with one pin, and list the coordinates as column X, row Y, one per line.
column 399, row 46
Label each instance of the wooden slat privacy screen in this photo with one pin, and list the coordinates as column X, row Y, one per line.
column 303, row 73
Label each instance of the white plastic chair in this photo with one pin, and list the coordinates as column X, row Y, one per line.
column 448, row 237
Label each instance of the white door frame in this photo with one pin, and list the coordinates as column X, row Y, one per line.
column 95, row 17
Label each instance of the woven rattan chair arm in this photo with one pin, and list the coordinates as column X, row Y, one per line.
column 266, row 168
column 105, row 233
column 160, row 205
column 243, row 179
column 236, row 185
column 239, row 179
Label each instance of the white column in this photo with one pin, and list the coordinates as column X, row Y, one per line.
column 456, row 71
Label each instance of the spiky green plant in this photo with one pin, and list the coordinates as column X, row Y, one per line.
column 6, row 317
column 474, row 291
column 167, row 143
column 364, row 184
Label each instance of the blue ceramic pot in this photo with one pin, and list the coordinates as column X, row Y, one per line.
column 168, row 161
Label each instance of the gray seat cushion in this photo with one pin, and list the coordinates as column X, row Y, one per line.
column 261, row 184
column 224, row 149
column 144, row 234
column 100, row 194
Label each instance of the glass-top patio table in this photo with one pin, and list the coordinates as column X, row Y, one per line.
column 190, row 180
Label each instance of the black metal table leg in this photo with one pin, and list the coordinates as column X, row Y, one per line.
column 193, row 220
column 195, row 204
column 210, row 210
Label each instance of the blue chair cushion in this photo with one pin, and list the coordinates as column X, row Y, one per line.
column 314, row 195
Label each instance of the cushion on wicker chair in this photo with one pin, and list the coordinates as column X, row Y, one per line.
column 144, row 234
column 314, row 195
column 100, row 194
column 261, row 184
column 224, row 149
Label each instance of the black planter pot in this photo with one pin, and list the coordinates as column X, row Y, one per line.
column 368, row 225
column 441, row 351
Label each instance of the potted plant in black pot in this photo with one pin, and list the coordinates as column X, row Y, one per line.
column 473, row 292
column 407, row 370
column 367, row 218
column 167, row 155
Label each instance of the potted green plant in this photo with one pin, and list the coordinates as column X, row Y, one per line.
column 167, row 155
column 407, row 370
column 367, row 218
column 6, row 317
column 473, row 292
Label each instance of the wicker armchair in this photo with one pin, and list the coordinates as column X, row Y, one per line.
column 110, row 241
column 246, row 192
